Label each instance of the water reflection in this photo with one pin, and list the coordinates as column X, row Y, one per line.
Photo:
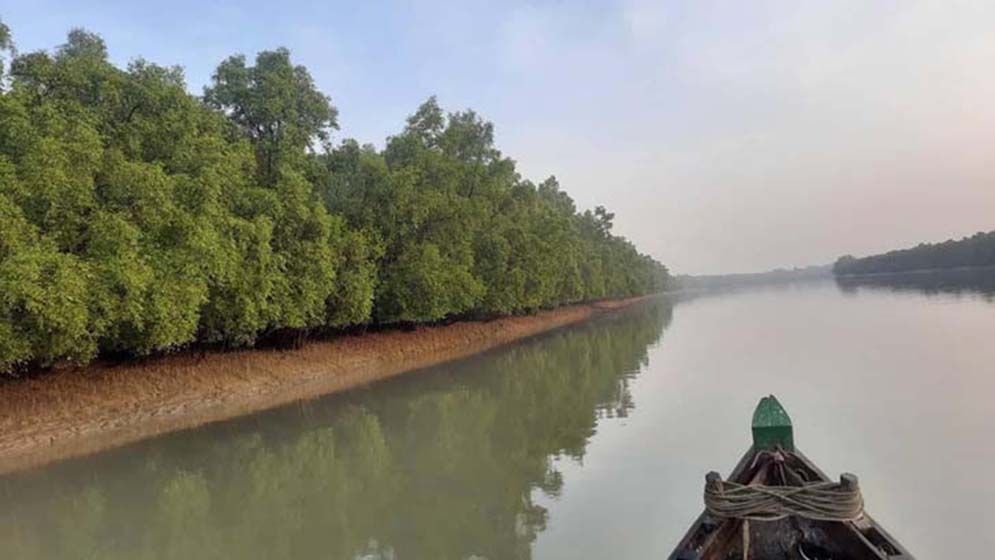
column 959, row 282
column 437, row 465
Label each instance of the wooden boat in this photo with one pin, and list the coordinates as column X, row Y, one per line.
column 773, row 465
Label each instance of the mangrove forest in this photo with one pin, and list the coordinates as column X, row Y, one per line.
column 138, row 218
column 975, row 251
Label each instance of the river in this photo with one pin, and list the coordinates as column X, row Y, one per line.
column 588, row 442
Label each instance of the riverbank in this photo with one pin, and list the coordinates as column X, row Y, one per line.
column 90, row 409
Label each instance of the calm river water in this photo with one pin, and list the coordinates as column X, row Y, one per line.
column 590, row 442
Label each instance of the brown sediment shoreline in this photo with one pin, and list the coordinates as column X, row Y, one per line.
column 85, row 410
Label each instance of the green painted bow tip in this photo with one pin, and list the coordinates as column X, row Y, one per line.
column 772, row 426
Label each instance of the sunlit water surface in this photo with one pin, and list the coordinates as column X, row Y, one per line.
column 590, row 442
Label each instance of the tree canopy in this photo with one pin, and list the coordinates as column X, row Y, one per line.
column 975, row 251
column 275, row 105
column 138, row 218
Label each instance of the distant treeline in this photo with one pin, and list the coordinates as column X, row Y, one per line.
column 975, row 251
column 777, row 276
column 138, row 218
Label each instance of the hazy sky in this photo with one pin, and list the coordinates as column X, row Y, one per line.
column 726, row 136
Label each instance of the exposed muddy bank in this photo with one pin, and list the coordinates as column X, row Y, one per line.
column 101, row 406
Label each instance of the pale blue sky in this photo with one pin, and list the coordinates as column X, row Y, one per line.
column 727, row 136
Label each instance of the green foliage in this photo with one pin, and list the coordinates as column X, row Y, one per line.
column 351, row 299
column 977, row 250
column 302, row 249
column 275, row 104
column 43, row 307
column 136, row 218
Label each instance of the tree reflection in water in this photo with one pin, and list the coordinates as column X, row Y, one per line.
column 437, row 465
column 978, row 282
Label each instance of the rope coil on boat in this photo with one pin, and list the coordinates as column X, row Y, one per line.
column 823, row 501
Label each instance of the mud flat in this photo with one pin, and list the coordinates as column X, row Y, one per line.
column 89, row 409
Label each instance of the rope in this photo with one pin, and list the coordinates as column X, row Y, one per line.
column 823, row 501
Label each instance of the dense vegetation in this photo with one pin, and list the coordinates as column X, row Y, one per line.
column 443, row 466
column 975, row 251
column 137, row 218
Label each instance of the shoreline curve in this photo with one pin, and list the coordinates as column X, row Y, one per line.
column 90, row 409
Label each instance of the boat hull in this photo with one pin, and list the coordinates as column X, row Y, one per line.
column 723, row 539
